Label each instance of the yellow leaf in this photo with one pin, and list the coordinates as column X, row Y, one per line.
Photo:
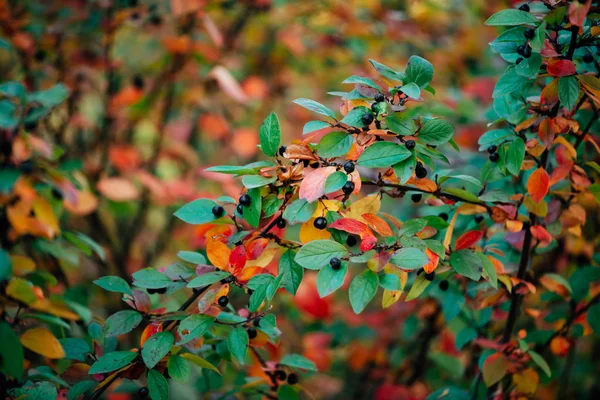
column 22, row 265
column 58, row 310
column 21, row 290
column 326, row 205
column 367, row 205
column 526, row 381
column 201, row 362
column 42, row 341
column 45, row 215
column 308, row 232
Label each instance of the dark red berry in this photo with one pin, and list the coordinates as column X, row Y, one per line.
column 223, row 301
column 292, row 379
column 320, row 223
column 367, row 118
column 348, row 187
column 218, row 211
column 251, row 333
column 349, row 167
column 529, row 33
column 416, row 197
column 379, row 98
column 410, row 144
column 244, row 200
column 281, row 223
column 444, row 285
column 335, row 263
column 494, row 157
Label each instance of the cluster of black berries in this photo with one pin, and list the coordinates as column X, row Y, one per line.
column 524, row 50
column 494, row 156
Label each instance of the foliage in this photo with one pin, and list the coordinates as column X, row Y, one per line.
column 489, row 289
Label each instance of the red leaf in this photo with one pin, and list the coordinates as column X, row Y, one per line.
column 578, row 12
column 355, row 227
column 561, row 68
column 468, row 239
column 237, row 259
column 538, row 184
column 540, row 233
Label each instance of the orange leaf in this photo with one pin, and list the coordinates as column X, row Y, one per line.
column 468, row 239
column 355, row 227
column 42, row 341
column 378, row 224
column 313, row 184
column 118, row 189
column 150, row 329
column 538, row 184
column 434, row 259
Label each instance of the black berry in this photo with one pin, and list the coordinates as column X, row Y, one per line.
column 416, row 197
column 444, row 216
column 494, row 157
column 282, row 150
column 281, row 223
column 305, row 163
column 518, row 61
column 367, row 119
column 524, row 7
column 479, row 218
column 252, row 333
column 348, row 187
column 430, row 276
column 349, row 167
column 223, row 301
column 529, row 33
column 444, row 285
column 351, row 241
column 521, row 49
column 588, row 58
column 280, row 375
column 156, row 20
column 527, row 52
column 161, row 290
column 420, row 271
column 410, row 144
column 335, row 263
column 143, row 392
column 420, row 171
column 138, row 82
column 245, row 200
column 240, row 209
column 320, row 223
column 256, row 322
column 151, row 291
column 315, row 165
column 30, row 126
column 492, row 149
column 135, row 16
column 218, row 211
column 57, row 194
column 292, row 379
column 40, row 55
column 379, row 98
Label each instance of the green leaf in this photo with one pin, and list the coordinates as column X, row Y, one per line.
column 314, row 106
column 529, row 67
column 568, row 91
column 489, row 271
column 362, row 290
column 256, row 181
column 383, row 154
column 291, row 272
column 197, row 212
column 409, row 258
column 193, row 327
column 192, row 257
column 201, row 362
column 354, row 116
column 509, row 82
column 412, row 226
column 11, row 352
column 436, row 132
column 286, row 392
column 150, row 278
column 330, row 280
column 85, row 243
column 158, row 386
column 122, row 322
column 401, row 124
column 335, row 144
column 208, row 279
column 418, row 287
column 418, row 71
column 463, row 195
column 179, row 369
column 271, row 204
column 465, row 336
column 237, row 343
column 313, row 126
column 5, row 266
column 540, row 362
column 81, row 388
column 468, row 263
column 114, row 284
column 270, row 135
column 405, row 169
column 8, row 178
column 75, row 348
column 299, row 211
column 412, row 90
column 298, row 361
column 156, row 347
column 449, row 364
column 511, row 17
column 386, row 71
column 316, row 254
column 335, row 181
column 253, row 211
column 537, row 43
column 362, row 81
column 112, row 362
column 390, row 282
column 593, row 317
column 515, row 155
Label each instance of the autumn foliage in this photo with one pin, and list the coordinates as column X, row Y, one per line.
column 164, row 234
